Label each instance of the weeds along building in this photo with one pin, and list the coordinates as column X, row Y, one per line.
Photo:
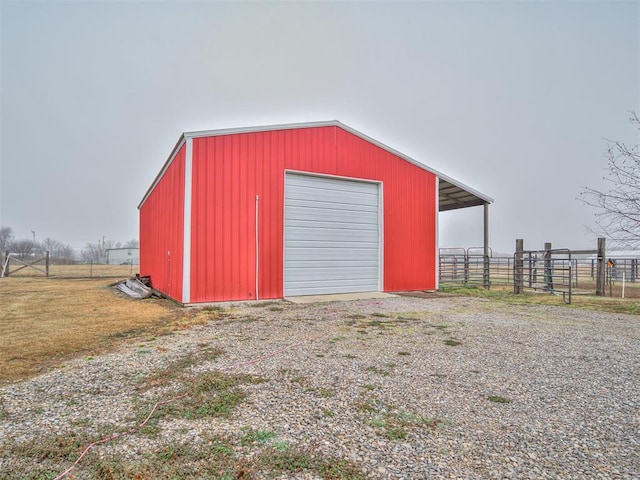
column 286, row 210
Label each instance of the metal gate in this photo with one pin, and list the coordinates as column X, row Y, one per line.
column 548, row 270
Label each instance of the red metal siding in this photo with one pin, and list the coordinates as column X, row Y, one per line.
column 409, row 211
column 162, row 230
column 230, row 170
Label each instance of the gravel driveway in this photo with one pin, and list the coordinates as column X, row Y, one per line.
column 398, row 388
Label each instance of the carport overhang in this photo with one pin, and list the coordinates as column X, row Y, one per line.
column 453, row 195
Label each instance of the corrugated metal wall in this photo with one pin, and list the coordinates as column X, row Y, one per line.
column 410, row 211
column 161, row 230
column 230, row 170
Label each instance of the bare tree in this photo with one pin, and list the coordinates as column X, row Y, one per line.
column 66, row 254
column 92, row 252
column 618, row 216
column 24, row 248
column 6, row 236
column 97, row 252
column 59, row 252
column 133, row 243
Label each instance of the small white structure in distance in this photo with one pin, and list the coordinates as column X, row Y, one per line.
column 123, row 256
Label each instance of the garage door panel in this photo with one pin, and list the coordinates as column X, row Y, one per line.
column 327, row 254
column 297, row 265
column 311, row 182
column 331, row 235
column 317, row 245
column 332, row 273
column 334, row 234
column 333, row 196
column 322, row 288
column 329, row 205
column 301, row 214
column 320, row 235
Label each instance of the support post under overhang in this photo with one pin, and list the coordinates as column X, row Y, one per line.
column 486, row 274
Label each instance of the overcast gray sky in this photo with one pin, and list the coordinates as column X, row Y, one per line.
column 511, row 98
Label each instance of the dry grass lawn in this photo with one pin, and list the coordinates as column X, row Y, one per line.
column 44, row 320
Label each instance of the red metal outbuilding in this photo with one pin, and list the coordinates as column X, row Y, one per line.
column 281, row 210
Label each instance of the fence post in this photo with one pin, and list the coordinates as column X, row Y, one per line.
column 7, row 263
column 46, row 263
column 466, row 267
column 548, row 271
column 518, row 284
column 600, row 270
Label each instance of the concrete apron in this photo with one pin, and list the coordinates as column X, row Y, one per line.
column 338, row 297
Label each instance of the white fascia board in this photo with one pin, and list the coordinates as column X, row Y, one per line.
column 164, row 168
column 255, row 129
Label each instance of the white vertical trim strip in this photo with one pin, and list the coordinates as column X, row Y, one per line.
column 257, row 250
column 380, row 237
column 186, row 247
column 437, row 212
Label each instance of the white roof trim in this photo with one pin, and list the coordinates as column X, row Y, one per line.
column 167, row 164
column 290, row 126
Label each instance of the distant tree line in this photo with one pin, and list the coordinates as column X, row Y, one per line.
column 59, row 252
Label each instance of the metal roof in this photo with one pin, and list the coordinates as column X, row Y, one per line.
column 452, row 193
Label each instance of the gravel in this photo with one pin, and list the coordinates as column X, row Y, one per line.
column 529, row 392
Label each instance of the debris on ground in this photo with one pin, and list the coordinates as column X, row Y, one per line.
column 134, row 288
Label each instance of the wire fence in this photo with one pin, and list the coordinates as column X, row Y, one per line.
column 81, row 270
column 555, row 271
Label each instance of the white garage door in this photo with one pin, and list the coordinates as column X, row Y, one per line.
column 331, row 235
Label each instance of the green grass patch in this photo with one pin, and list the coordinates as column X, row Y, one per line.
column 396, row 425
column 375, row 323
column 256, row 436
column 293, row 461
column 334, row 340
column 498, row 399
column 379, row 371
column 213, row 308
column 211, row 394
column 586, row 302
column 214, row 459
column 365, row 406
column 265, row 304
column 178, row 368
column 326, row 392
column 452, row 343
